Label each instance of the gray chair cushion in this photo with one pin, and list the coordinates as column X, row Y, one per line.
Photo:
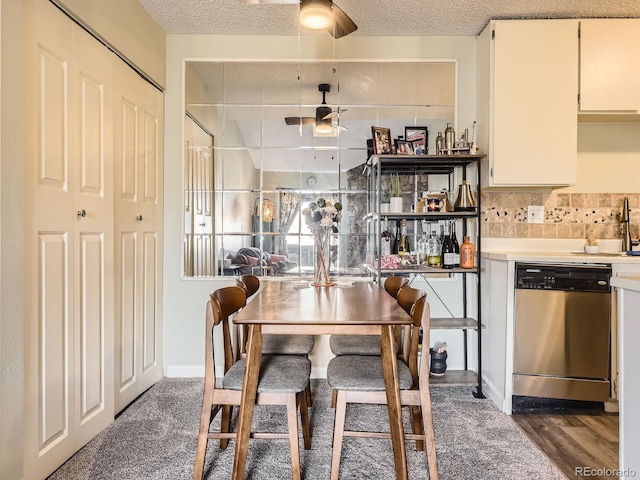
column 287, row 344
column 278, row 373
column 363, row 373
column 355, row 344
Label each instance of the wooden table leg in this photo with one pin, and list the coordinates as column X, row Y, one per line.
column 390, row 372
column 247, row 400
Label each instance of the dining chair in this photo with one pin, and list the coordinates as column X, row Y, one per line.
column 367, row 344
column 279, row 344
column 275, row 344
column 358, row 379
column 282, row 381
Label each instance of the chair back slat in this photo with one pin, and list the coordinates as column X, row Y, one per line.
column 213, row 319
column 394, row 284
column 414, row 302
column 229, row 301
column 250, row 283
column 408, row 296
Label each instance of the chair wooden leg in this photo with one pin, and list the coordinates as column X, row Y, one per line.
column 304, row 417
column 307, row 392
column 292, row 421
column 427, row 419
column 338, row 432
column 334, row 396
column 416, row 419
column 205, row 421
column 225, row 425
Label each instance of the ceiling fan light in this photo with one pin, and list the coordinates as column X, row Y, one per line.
column 324, row 126
column 316, row 14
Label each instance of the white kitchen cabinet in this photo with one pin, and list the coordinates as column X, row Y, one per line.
column 609, row 65
column 628, row 293
column 68, row 239
column 527, row 90
column 138, row 126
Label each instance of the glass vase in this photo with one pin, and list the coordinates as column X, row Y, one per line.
column 322, row 245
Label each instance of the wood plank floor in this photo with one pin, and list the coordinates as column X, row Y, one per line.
column 575, row 439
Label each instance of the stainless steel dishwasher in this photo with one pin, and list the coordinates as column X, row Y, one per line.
column 562, row 331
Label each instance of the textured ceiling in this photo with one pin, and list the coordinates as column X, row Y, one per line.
column 374, row 17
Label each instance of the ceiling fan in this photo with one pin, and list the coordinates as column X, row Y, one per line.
column 324, row 114
column 318, row 15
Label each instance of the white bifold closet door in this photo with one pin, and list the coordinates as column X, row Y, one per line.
column 68, row 239
column 138, row 124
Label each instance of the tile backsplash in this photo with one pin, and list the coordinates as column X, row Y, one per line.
column 566, row 215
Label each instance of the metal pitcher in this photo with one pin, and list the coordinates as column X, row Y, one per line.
column 465, row 200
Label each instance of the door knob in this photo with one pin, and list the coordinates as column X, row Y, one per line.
column 81, row 213
column 139, row 218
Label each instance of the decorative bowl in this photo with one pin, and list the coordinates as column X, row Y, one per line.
column 591, row 249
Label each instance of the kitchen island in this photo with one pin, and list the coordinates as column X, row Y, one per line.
column 628, row 296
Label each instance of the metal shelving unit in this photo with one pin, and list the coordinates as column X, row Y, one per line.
column 419, row 165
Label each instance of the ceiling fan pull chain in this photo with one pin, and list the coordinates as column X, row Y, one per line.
column 299, row 51
column 334, row 47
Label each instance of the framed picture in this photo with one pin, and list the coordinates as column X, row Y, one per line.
column 403, row 147
column 419, row 136
column 381, row 140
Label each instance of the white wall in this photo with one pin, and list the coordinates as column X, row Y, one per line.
column 608, row 158
column 127, row 26
column 185, row 299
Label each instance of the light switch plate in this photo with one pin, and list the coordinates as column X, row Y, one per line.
column 535, row 214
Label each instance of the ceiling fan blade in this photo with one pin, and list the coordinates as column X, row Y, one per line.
column 342, row 24
column 335, row 114
column 299, row 120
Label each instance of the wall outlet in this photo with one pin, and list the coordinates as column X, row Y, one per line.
column 535, row 214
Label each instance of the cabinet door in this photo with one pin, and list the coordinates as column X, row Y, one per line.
column 138, row 222
column 68, row 263
column 533, row 140
column 609, row 59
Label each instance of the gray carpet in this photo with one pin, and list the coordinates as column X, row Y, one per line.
column 155, row 438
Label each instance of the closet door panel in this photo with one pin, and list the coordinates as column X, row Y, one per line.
column 93, row 258
column 53, row 341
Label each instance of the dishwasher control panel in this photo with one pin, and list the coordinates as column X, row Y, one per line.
column 577, row 277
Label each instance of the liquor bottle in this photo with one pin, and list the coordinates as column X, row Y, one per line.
column 403, row 246
column 434, row 251
column 396, row 238
column 447, row 249
column 423, row 246
column 385, row 247
column 456, row 245
column 467, row 253
column 439, row 144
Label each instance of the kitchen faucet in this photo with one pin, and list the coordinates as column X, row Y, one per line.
column 626, row 231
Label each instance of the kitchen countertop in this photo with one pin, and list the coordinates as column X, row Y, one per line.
column 554, row 257
column 630, row 282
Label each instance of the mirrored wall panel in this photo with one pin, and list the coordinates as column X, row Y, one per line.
column 263, row 140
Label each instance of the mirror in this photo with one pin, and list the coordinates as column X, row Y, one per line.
column 248, row 172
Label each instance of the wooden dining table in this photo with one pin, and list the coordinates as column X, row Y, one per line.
column 292, row 307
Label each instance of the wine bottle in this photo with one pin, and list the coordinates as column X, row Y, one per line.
column 385, row 247
column 423, row 246
column 403, row 246
column 456, row 245
column 467, row 253
column 434, row 251
column 396, row 240
column 447, row 248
